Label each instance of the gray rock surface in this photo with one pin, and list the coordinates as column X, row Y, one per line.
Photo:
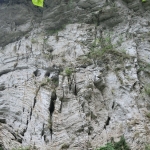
column 74, row 74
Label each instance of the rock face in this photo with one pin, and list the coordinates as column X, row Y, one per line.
column 74, row 74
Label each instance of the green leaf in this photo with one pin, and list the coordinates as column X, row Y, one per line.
column 38, row 2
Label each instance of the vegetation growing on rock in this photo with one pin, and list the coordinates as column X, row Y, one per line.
column 121, row 145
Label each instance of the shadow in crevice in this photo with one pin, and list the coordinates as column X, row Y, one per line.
column 51, row 110
column 107, row 122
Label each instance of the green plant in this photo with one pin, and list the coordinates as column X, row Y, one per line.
column 49, row 123
column 119, row 42
column 70, row 3
column 148, row 115
column 64, row 60
column 144, row 67
column 147, row 147
column 33, row 41
column 121, row 145
column 45, row 81
column 147, row 89
column 68, row 72
column 84, row 60
column 108, row 146
column 48, row 56
column 65, row 146
column 55, row 31
column 48, row 80
column 55, row 82
column 99, row 47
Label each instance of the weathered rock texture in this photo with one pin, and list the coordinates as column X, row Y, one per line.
column 74, row 74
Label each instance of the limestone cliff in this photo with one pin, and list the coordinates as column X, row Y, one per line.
column 74, row 74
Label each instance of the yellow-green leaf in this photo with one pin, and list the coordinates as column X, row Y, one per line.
column 38, row 2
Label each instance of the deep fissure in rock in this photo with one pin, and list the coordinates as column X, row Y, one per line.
column 36, row 96
column 23, row 109
column 52, row 103
column 69, row 84
column 61, row 99
column 42, row 133
column 30, row 113
column 51, row 110
column 113, row 105
column 34, row 102
column 75, row 90
column 107, row 122
column 45, row 138
column 60, row 109
column 27, row 122
column 51, row 132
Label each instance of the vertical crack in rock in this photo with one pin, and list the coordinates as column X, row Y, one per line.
column 31, row 49
column 75, row 90
column 27, row 122
column 107, row 122
column 61, row 100
column 30, row 113
column 52, row 103
column 69, row 79
column 34, row 102
column 42, row 133
column 60, row 109
column 113, row 105
column 51, row 110
column 36, row 96
column 19, row 45
column 75, row 86
column 69, row 83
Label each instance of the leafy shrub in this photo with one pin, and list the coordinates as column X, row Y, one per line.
column 145, row 67
column 147, row 147
column 148, row 115
column 68, row 72
column 65, row 146
column 109, row 146
column 147, row 89
column 103, row 46
column 104, row 43
column 121, row 145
